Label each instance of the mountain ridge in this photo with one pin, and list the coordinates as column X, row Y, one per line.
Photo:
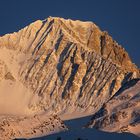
column 89, row 25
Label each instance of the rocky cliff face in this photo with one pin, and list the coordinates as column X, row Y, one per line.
column 68, row 65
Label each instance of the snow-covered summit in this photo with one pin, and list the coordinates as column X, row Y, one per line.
column 61, row 66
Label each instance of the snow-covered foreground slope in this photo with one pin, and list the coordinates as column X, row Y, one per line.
column 28, row 127
column 76, row 131
column 122, row 112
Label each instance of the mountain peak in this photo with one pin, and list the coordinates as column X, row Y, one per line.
column 69, row 20
column 84, row 34
column 61, row 66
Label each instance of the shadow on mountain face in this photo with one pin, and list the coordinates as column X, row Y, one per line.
column 88, row 134
column 77, row 123
column 127, row 85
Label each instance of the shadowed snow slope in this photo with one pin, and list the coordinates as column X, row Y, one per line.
column 88, row 134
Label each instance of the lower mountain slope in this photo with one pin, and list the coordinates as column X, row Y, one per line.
column 12, row 127
column 122, row 112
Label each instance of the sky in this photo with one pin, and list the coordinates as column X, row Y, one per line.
column 121, row 18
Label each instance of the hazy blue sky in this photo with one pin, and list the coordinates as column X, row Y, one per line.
column 121, row 18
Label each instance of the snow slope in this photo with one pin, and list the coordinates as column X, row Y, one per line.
column 88, row 134
column 122, row 112
column 12, row 127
